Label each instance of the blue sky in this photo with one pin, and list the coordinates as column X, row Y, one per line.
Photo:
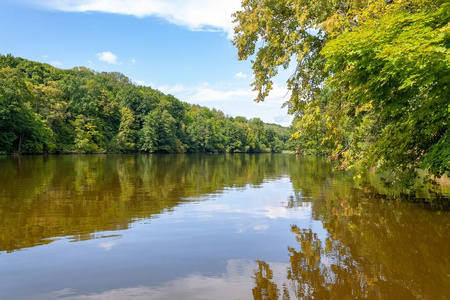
column 181, row 47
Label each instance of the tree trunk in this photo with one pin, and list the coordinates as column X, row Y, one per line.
column 20, row 144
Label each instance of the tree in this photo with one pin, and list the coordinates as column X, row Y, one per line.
column 256, row 139
column 203, row 132
column 159, row 132
column 86, row 135
column 125, row 136
column 131, row 97
column 235, row 136
column 147, row 139
column 370, row 85
column 290, row 30
column 398, row 63
column 165, row 131
column 21, row 129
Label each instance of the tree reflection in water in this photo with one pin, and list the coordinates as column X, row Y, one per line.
column 324, row 271
column 369, row 247
column 265, row 287
column 372, row 250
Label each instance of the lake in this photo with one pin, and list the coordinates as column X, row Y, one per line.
column 262, row 226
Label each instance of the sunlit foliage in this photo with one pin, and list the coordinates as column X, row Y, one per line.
column 371, row 79
column 48, row 110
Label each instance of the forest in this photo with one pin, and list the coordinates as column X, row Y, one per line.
column 370, row 87
column 44, row 109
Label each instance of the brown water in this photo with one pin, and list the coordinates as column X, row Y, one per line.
column 211, row 227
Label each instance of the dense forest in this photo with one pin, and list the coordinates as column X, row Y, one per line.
column 370, row 85
column 49, row 110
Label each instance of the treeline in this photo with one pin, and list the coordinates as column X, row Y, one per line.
column 49, row 110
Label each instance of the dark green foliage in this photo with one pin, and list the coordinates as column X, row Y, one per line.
column 21, row 129
column 48, row 110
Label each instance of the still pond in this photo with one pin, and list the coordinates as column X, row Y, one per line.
column 211, row 227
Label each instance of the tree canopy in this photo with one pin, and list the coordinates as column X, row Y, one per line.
column 48, row 110
column 371, row 80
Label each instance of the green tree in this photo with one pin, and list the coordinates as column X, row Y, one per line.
column 256, row 138
column 234, row 135
column 147, row 139
column 126, row 135
column 398, row 63
column 159, row 132
column 292, row 31
column 21, row 129
column 165, row 131
column 132, row 97
column 203, row 131
column 370, row 83
column 86, row 135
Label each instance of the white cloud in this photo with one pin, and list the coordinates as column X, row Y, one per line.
column 235, row 101
column 205, row 92
column 56, row 63
column 140, row 82
column 241, row 75
column 178, row 88
column 143, row 83
column 205, row 15
column 210, row 94
column 108, row 57
column 283, row 119
column 133, row 61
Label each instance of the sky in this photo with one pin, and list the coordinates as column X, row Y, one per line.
column 180, row 47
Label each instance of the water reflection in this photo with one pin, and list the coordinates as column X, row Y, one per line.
column 232, row 284
column 46, row 197
column 211, row 227
column 372, row 250
column 265, row 287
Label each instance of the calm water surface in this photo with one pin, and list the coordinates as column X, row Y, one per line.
column 211, row 227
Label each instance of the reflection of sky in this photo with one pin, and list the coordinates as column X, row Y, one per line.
column 200, row 249
column 235, row 283
column 108, row 245
column 267, row 202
